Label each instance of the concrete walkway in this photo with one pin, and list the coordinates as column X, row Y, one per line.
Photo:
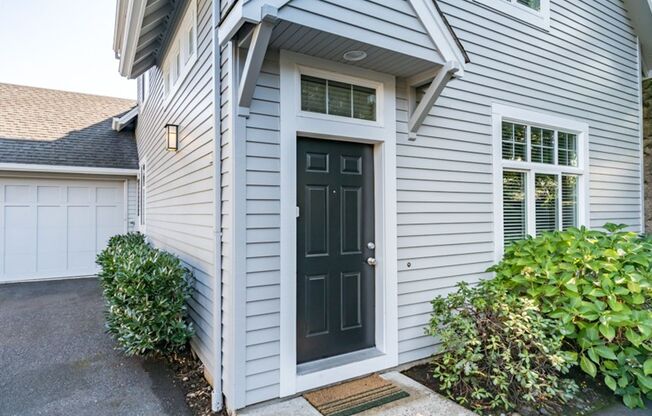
column 56, row 359
column 422, row 402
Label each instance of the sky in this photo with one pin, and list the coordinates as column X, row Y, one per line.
column 61, row 44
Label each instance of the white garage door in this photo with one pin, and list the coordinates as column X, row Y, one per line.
column 55, row 228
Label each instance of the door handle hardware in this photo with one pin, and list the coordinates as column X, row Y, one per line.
column 371, row 261
column 371, row 245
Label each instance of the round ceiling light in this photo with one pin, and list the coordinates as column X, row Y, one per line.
column 354, row 56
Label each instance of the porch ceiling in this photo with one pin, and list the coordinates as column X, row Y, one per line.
column 313, row 42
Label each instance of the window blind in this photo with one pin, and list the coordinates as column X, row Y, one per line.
column 545, row 196
column 568, row 201
column 514, row 207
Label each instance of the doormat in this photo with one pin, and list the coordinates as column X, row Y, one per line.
column 355, row 396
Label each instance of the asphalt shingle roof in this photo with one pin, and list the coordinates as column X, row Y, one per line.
column 51, row 127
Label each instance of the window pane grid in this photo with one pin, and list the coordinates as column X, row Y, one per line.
column 542, row 145
column 514, row 142
column 567, row 149
column 337, row 98
column 514, row 207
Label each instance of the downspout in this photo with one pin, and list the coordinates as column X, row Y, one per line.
column 216, row 399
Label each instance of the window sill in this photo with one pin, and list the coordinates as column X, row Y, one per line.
column 538, row 20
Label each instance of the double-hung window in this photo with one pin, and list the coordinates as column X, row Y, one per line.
column 182, row 52
column 540, row 173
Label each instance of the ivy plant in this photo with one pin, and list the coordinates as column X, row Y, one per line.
column 598, row 286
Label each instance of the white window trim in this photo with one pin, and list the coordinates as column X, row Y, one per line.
column 142, row 195
column 293, row 124
column 145, row 88
column 511, row 8
column 189, row 19
column 355, row 81
column 502, row 113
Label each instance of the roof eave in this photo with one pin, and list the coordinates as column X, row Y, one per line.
column 129, row 20
column 640, row 14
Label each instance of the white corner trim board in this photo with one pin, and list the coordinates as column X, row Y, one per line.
column 382, row 135
column 26, row 167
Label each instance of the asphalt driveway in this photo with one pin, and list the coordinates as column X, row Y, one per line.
column 56, row 359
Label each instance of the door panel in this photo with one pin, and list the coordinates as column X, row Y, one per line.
column 55, row 228
column 335, row 285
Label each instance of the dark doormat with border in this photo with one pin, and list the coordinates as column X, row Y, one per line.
column 355, row 396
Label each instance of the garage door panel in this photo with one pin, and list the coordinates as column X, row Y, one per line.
column 20, row 240
column 81, row 238
column 78, row 195
column 51, row 240
column 19, row 194
column 48, row 195
column 55, row 228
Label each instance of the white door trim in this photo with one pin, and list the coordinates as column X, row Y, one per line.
column 383, row 136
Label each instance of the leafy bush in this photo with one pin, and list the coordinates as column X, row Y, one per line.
column 598, row 286
column 145, row 290
column 500, row 353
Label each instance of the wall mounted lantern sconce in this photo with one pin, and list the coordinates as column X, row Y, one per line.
column 172, row 137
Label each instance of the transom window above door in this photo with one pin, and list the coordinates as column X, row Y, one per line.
column 540, row 174
column 341, row 99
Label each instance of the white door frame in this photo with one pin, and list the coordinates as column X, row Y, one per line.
column 382, row 134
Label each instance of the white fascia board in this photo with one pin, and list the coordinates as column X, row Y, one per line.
column 253, row 11
column 118, row 26
column 131, row 32
column 120, row 122
column 27, row 167
column 438, row 31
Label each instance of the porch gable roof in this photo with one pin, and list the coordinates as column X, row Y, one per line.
column 446, row 46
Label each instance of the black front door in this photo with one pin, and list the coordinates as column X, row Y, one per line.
column 335, row 238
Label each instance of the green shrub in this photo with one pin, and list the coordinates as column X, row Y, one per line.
column 145, row 290
column 598, row 286
column 499, row 352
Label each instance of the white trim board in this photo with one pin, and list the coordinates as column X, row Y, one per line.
column 511, row 9
column 27, row 167
column 382, row 136
column 502, row 112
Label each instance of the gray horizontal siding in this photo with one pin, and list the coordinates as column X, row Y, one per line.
column 263, row 236
column 180, row 198
column 583, row 68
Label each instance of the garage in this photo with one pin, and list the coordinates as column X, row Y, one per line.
column 54, row 228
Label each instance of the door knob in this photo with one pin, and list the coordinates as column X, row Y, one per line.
column 371, row 261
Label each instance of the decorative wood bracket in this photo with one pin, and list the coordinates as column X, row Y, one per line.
column 428, row 100
column 259, row 41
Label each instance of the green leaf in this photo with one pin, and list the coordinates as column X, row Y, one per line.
column 645, row 381
column 607, row 331
column 633, row 337
column 587, row 366
column 631, row 400
column 647, row 367
column 605, row 352
column 610, row 382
